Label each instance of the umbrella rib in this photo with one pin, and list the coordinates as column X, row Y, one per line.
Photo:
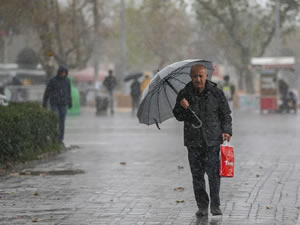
column 179, row 80
column 167, row 98
column 150, row 106
column 172, row 74
column 159, row 117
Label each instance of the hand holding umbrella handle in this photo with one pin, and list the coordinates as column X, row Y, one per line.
column 195, row 115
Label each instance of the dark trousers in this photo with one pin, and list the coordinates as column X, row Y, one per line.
column 135, row 103
column 205, row 160
column 61, row 112
column 111, row 101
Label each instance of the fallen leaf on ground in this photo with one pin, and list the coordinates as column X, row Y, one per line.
column 123, row 163
column 269, row 207
column 180, row 201
column 36, row 194
column 35, row 220
column 14, row 174
column 179, row 189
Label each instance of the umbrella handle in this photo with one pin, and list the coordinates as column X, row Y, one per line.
column 195, row 115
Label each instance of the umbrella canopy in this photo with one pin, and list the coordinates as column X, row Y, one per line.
column 159, row 97
column 133, row 76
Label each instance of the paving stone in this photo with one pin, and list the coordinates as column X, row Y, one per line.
column 140, row 191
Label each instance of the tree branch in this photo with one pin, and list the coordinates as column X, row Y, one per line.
column 58, row 32
column 229, row 29
column 265, row 43
column 232, row 14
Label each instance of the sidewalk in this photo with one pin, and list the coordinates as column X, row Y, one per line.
column 138, row 175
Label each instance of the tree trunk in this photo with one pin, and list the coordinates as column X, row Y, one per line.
column 247, row 75
column 241, row 79
column 249, row 81
column 96, row 39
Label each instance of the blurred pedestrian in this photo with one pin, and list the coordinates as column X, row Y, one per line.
column 292, row 100
column 145, row 81
column 110, row 82
column 2, row 87
column 283, row 91
column 135, row 92
column 58, row 92
column 229, row 90
column 203, row 144
column 16, row 89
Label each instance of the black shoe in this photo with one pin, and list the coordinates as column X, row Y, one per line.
column 202, row 212
column 216, row 211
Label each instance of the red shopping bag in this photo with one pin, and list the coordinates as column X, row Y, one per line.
column 226, row 160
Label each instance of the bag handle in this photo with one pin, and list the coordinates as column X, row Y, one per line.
column 226, row 143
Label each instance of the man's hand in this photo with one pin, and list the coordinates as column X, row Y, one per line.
column 226, row 137
column 184, row 103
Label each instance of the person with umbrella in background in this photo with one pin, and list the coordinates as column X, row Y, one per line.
column 135, row 92
column 135, row 89
column 58, row 91
column 210, row 105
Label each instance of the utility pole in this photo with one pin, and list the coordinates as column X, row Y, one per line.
column 96, row 43
column 123, row 64
column 277, row 34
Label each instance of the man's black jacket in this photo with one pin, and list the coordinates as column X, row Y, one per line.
column 58, row 90
column 211, row 107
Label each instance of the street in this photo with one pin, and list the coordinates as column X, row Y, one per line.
column 139, row 175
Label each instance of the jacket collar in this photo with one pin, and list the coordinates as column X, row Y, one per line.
column 208, row 86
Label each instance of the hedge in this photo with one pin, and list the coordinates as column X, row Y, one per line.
column 26, row 131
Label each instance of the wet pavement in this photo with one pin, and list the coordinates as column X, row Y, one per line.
column 138, row 175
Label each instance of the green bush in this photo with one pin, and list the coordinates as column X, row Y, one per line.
column 26, row 131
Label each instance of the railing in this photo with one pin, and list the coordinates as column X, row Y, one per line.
column 16, row 93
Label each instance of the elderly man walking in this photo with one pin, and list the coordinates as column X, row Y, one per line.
column 203, row 144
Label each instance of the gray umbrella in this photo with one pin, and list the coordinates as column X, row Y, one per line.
column 159, row 97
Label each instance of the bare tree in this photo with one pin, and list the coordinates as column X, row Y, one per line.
column 156, row 31
column 64, row 32
column 243, row 29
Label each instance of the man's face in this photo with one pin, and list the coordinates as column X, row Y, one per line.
column 63, row 74
column 199, row 76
